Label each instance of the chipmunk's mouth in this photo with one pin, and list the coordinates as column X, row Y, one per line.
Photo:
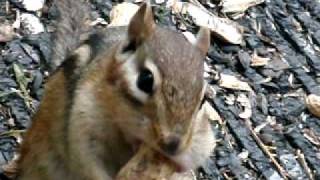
column 180, row 167
column 181, row 161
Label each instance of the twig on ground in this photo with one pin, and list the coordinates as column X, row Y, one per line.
column 304, row 164
column 280, row 169
column 226, row 176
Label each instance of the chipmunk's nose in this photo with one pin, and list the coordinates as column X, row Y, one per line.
column 171, row 145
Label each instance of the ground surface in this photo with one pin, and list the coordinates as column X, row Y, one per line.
column 279, row 138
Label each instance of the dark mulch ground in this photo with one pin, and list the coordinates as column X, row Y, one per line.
column 280, row 138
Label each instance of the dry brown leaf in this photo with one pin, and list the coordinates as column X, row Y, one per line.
column 313, row 104
column 31, row 24
column 226, row 29
column 311, row 136
column 231, row 82
column 32, row 5
column 238, row 6
column 121, row 14
column 245, row 103
column 213, row 115
column 6, row 32
column 190, row 37
column 258, row 60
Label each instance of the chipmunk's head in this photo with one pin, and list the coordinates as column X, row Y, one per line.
column 160, row 77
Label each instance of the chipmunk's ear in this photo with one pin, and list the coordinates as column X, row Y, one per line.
column 203, row 40
column 141, row 25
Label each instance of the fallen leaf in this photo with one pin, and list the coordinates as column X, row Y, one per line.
column 190, row 37
column 238, row 6
column 121, row 14
column 212, row 114
column 32, row 5
column 224, row 28
column 231, row 82
column 311, row 136
column 245, row 103
column 31, row 24
column 313, row 104
column 6, row 33
column 257, row 60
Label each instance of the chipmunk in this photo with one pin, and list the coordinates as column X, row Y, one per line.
column 116, row 89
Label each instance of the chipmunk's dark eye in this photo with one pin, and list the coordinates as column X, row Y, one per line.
column 145, row 81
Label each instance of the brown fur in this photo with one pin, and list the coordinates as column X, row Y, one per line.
column 92, row 117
